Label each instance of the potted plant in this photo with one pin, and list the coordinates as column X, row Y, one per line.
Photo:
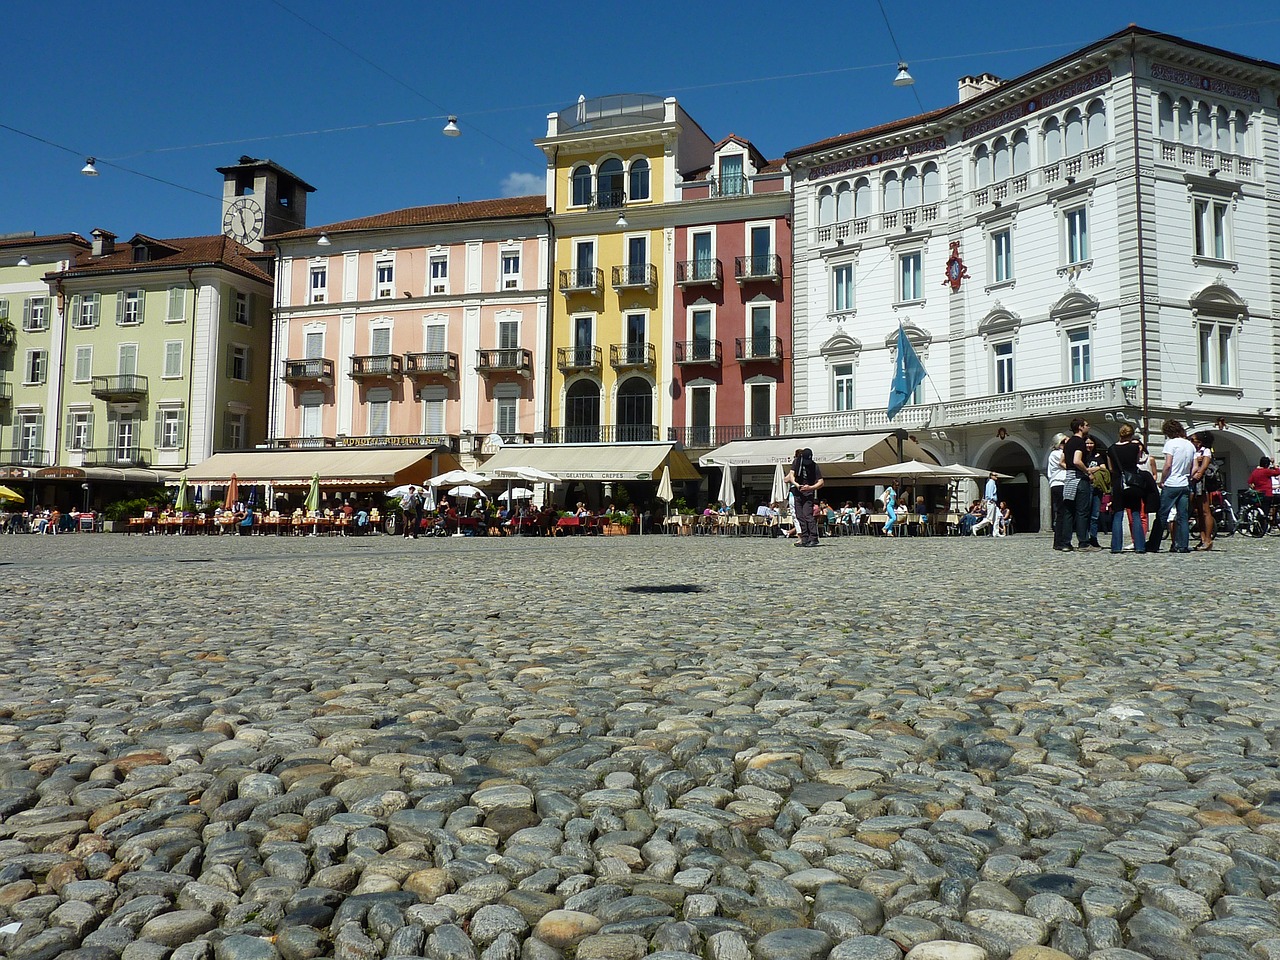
column 619, row 525
column 116, row 515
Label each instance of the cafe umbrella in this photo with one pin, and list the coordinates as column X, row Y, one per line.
column 182, row 499
column 313, row 495
column 232, row 494
column 8, row 493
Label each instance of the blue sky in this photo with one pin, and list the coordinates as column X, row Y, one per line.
column 129, row 89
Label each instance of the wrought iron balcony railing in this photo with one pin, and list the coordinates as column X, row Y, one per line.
column 629, row 355
column 581, row 281
column 692, row 272
column 608, row 199
column 704, row 438
column 578, row 358
column 603, row 433
column 758, row 267
column 697, row 351
column 635, row 275
column 117, row 456
column 737, row 186
column 759, row 348
column 124, row 388
column 24, row 457
column 505, row 360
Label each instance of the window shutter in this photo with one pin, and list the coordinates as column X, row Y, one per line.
column 180, row 439
column 142, row 305
column 75, row 311
column 381, row 341
column 159, row 443
column 120, row 307
column 26, row 312
column 88, row 431
column 175, row 303
column 231, row 361
column 97, row 308
column 248, row 309
column 226, row 432
column 4, row 309
column 111, row 433
column 67, row 432
column 248, row 363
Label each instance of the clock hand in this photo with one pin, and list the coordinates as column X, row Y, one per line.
column 244, row 227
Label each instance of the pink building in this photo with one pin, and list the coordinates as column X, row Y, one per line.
column 418, row 327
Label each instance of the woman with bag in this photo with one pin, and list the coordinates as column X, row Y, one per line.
column 1204, row 484
column 1128, row 496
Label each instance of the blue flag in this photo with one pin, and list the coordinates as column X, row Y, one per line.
column 907, row 374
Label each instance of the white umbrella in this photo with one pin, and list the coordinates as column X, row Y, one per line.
column 400, row 491
column 519, row 493
column 467, row 491
column 778, row 492
column 532, row 474
column 727, row 496
column 458, row 476
column 664, row 486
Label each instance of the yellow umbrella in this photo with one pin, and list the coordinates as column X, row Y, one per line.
column 7, row 493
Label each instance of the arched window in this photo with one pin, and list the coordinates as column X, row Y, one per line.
column 1097, row 130
column 1204, row 127
column 581, row 178
column 1075, row 133
column 1052, row 141
column 844, row 202
column 1185, row 132
column 582, row 412
column 981, row 166
column 1222, row 129
column 910, row 187
column 932, row 183
column 892, row 193
column 609, row 184
column 639, row 179
column 826, row 206
column 1001, row 167
column 1168, row 131
column 862, row 198
column 635, row 411
column 1242, row 133
column 1021, row 153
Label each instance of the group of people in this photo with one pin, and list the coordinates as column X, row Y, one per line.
column 481, row 517
column 1086, row 479
column 42, row 520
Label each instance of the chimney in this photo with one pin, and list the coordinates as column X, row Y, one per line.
column 971, row 87
column 104, row 242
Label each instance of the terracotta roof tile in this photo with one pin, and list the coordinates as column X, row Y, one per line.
column 495, row 209
column 47, row 240
column 871, row 131
column 216, row 250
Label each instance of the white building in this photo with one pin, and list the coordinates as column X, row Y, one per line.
column 1116, row 213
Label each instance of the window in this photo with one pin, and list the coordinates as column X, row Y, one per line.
column 172, row 359
column 234, row 432
column 80, row 430
column 700, row 324
column 237, row 361
column 85, row 310
column 379, row 403
column 1217, row 354
column 30, row 433
column 609, row 190
column 981, row 166
column 892, row 193
column 434, row 337
column 511, row 270
column 1052, row 141
column 35, row 367
column 35, row 316
column 312, row 404
column 319, row 284
column 127, row 360
column 639, row 185
column 1077, row 222
column 1021, row 156
column 826, row 206
column 732, row 182
column 83, row 370
column 760, row 408
column 844, row 202
column 842, row 386
column 130, row 305
column 700, row 419
column 1096, row 130
column 313, row 345
column 842, row 288
column 4, row 309
column 439, row 275
column 1002, row 363
column 762, row 330
column 170, row 426
column 1002, row 256
column 580, row 182
column 177, row 305
column 1075, row 133
column 910, row 278
column 1212, row 218
column 1079, row 355
column 508, row 334
column 704, row 265
column 384, row 272
column 380, row 341
column 1002, row 160
column 433, row 399
column 504, row 415
column 240, row 314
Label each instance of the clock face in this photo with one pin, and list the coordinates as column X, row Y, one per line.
column 243, row 220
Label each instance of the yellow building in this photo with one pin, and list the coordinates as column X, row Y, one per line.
column 612, row 168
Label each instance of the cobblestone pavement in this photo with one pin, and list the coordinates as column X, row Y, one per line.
column 244, row 749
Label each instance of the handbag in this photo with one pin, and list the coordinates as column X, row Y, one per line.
column 1130, row 480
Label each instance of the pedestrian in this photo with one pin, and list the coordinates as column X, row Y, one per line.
column 1077, row 491
column 807, row 481
column 890, row 498
column 1204, row 486
column 1057, row 474
column 1128, row 492
column 1096, row 457
column 410, row 504
column 1175, row 489
column 991, row 502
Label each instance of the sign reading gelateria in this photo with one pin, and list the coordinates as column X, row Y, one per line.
column 405, row 441
column 1051, row 98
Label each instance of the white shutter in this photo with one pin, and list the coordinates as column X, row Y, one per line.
column 159, row 441
column 69, row 431
column 378, row 418
column 435, row 338
column 75, row 311
column 88, row 431
column 142, row 305
column 38, row 420
column 177, row 305
column 112, row 429
column 433, row 417
column 120, row 307
column 380, row 341
column 314, row 346
column 26, row 312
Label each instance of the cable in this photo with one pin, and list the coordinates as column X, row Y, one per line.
column 898, row 51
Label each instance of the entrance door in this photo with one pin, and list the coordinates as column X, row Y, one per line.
column 637, row 260
column 124, row 449
column 635, row 338
column 583, row 341
column 582, row 413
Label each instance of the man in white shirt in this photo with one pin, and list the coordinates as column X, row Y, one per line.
column 992, row 498
column 1175, row 489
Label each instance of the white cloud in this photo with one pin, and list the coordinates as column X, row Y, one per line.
column 522, row 184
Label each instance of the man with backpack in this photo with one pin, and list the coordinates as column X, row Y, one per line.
column 411, row 504
column 806, row 480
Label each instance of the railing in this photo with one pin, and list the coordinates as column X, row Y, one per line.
column 505, row 360
column 697, row 351
column 635, row 275
column 377, row 365
column 608, row 199
column 623, row 355
column 911, row 217
column 691, row 272
column 1204, row 158
column 1028, row 404
column 434, row 364
column 762, row 266
column 578, row 358
column 124, row 387
column 1074, row 166
column 300, row 443
column 578, row 281
column 25, row 456
column 759, row 348
column 116, row 457
column 738, row 186
column 704, row 438
column 842, row 231
column 603, row 433
column 307, row 371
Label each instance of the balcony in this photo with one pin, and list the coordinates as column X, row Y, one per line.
column 1204, row 160
column 381, row 366
column 630, row 356
column 1049, row 403
column 569, row 359
column 429, row 365
column 758, row 268
column 633, row 275
column 691, row 352
column 690, row 273
column 707, row 438
column 603, row 433
column 25, row 457
column 116, row 456
column 738, row 186
column 308, row 372
column 505, row 360
column 8, row 336
column 768, row 349
column 127, row 388
column 608, row 200
column 300, row 443
column 6, row 392
column 581, row 281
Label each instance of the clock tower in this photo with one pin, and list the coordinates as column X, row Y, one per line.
column 261, row 198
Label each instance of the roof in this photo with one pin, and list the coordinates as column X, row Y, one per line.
column 44, row 241
column 212, row 251
column 250, row 163
column 1133, row 30
column 596, row 461
column 496, row 209
column 336, row 467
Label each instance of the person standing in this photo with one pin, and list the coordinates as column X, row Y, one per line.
column 991, row 502
column 1203, row 487
column 1057, row 474
column 1127, row 493
column 1175, row 487
column 411, row 504
column 807, row 480
column 1100, row 478
column 890, row 498
column 1077, row 492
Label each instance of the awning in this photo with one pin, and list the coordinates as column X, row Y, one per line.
column 839, row 456
column 596, row 461
column 337, row 467
column 117, row 474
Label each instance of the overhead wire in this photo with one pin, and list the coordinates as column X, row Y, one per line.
column 898, row 51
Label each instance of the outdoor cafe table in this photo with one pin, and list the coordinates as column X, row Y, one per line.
column 581, row 525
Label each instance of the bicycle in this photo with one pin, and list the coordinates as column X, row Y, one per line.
column 1225, row 520
column 1253, row 516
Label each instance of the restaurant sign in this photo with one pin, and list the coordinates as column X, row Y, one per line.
column 15, row 473
column 605, row 475
column 60, row 473
column 427, row 442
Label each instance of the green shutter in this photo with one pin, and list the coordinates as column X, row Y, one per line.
column 231, row 361
column 4, row 309
column 120, row 307
column 142, row 305
column 26, row 312
column 111, row 432
column 71, row 421
column 88, row 431
column 181, row 440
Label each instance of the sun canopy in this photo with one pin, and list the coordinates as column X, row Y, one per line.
column 336, row 467
column 596, row 461
column 839, row 456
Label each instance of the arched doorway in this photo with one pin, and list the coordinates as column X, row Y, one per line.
column 635, row 411
column 1022, row 492
column 582, row 412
